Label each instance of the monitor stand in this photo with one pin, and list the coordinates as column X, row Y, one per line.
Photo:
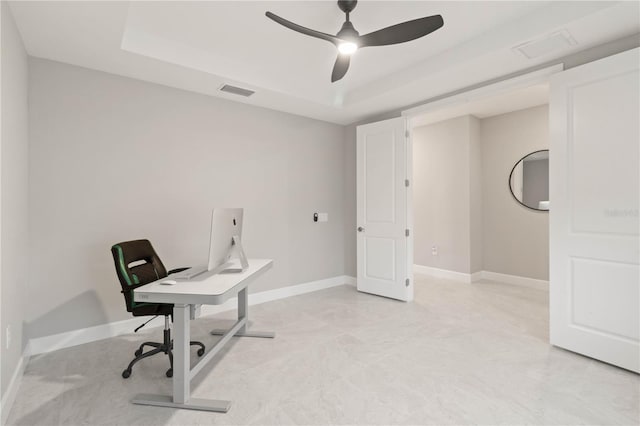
column 238, row 251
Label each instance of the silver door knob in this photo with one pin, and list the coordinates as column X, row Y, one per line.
column 360, row 229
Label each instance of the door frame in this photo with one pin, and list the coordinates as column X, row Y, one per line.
column 483, row 90
column 407, row 266
column 474, row 93
column 478, row 92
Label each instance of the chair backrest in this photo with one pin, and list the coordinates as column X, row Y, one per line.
column 137, row 264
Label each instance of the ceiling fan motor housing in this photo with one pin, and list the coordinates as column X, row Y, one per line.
column 347, row 5
column 348, row 32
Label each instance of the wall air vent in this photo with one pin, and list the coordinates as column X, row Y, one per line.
column 236, row 90
column 557, row 41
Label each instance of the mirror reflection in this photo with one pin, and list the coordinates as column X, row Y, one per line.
column 529, row 180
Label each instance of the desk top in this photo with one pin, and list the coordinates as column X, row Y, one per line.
column 212, row 290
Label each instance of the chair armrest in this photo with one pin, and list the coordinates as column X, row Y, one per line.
column 175, row 271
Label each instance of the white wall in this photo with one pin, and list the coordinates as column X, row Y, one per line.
column 516, row 239
column 445, row 168
column 114, row 159
column 14, row 190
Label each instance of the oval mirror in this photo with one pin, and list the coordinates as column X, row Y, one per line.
column 529, row 180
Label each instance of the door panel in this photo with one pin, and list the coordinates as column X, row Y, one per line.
column 381, row 256
column 593, row 218
column 613, row 157
column 595, row 281
column 381, row 171
column 384, row 249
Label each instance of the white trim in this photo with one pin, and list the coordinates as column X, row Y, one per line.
column 276, row 294
column 476, row 276
column 9, row 396
column 90, row 334
column 516, row 280
column 482, row 275
column 442, row 273
column 349, row 280
column 520, row 81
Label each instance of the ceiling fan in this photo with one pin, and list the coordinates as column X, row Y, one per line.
column 348, row 40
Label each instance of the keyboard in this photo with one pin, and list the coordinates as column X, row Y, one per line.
column 188, row 274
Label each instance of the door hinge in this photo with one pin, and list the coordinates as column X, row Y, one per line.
column 406, row 232
column 406, row 133
column 406, row 183
column 406, row 282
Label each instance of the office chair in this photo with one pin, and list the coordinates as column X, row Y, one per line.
column 137, row 264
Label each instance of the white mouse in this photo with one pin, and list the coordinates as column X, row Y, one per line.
column 168, row 282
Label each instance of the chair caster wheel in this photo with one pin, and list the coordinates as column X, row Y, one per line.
column 126, row 373
column 200, row 352
column 169, row 372
column 138, row 352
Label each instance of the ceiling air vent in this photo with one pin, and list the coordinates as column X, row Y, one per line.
column 236, row 90
column 556, row 41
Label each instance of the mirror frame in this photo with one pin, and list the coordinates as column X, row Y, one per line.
column 511, row 174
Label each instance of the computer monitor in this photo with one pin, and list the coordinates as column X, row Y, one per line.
column 225, row 242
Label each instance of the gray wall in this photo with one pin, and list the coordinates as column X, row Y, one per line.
column 115, row 159
column 14, row 190
column 350, row 202
column 462, row 202
column 476, row 231
column 446, row 166
column 516, row 239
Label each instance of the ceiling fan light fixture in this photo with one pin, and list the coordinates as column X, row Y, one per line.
column 347, row 47
column 348, row 40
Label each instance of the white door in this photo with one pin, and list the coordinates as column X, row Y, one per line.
column 593, row 218
column 385, row 249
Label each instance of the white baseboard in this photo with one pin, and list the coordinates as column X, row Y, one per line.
column 349, row 280
column 90, row 334
column 85, row 335
column 278, row 293
column 481, row 275
column 9, row 396
column 442, row 273
column 516, row 280
column 476, row 276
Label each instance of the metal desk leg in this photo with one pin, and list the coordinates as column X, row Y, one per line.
column 181, row 372
column 181, row 356
column 243, row 312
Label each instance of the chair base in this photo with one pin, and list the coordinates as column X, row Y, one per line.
column 165, row 347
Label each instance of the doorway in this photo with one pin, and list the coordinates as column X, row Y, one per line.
column 480, row 189
column 594, row 272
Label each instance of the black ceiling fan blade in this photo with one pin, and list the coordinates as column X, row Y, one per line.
column 403, row 32
column 340, row 67
column 303, row 30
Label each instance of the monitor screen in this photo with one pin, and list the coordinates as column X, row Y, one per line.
column 226, row 223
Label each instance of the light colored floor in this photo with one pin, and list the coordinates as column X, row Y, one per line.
column 460, row 354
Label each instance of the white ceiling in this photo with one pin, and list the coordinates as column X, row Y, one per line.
column 511, row 100
column 199, row 46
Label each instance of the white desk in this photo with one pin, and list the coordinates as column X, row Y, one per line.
column 185, row 295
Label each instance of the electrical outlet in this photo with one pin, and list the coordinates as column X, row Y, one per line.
column 8, row 337
column 434, row 250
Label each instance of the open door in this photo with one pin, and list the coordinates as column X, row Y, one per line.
column 593, row 218
column 384, row 237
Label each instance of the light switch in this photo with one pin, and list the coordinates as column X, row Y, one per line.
column 323, row 217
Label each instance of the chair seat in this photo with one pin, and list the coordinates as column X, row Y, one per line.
column 144, row 309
